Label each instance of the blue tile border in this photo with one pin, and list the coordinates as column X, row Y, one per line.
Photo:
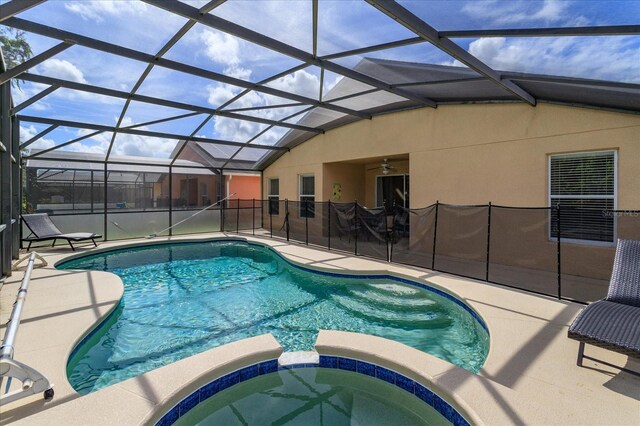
column 326, row 361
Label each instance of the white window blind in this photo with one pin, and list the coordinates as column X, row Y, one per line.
column 307, row 194
column 584, row 185
column 274, row 196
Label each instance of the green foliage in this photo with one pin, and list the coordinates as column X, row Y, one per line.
column 15, row 49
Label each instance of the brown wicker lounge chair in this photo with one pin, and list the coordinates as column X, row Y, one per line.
column 614, row 322
column 43, row 229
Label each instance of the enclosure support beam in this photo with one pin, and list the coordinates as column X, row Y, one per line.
column 39, row 135
column 23, row 67
column 424, row 30
column 280, row 47
column 34, row 99
column 609, row 30
column 15, row 7
column 162, row 102
column 128, row 130
column 113, row 49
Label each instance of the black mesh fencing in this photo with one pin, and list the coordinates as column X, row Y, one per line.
column 461, row 240
column 318, row 225
column 230, row 212
column 372, row 232
column 586, row 268
column 298, row 213
column 521, row 252
column 412, row 236
column 250, row 216
column 556, row 251
column 343, row 227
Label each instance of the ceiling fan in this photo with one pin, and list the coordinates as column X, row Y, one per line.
column 385, row 166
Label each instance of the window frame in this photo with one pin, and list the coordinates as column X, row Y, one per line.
column 311, row 213
column 550, row 197
column 273, row 200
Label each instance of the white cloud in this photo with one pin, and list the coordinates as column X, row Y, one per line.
column 60, row 68
column 301, row 83
column 519, row 11
column 124, row 144
column 27, row 133
column 26, row 91
column 220, row 47
column 97, row 10
column 613, row 58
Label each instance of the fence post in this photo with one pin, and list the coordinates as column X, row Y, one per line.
column 238, row 216
column 306, row 221
column 170, row 203
column 488, row 241
column 435, row 234
column 558, row 227
column 286, row 217
column 390, row 233
column 355, row 225
column 253, row 216
column 222, row 216
column 270, row 218
column 329, row 226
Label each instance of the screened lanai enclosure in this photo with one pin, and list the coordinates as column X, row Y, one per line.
column 130, row 116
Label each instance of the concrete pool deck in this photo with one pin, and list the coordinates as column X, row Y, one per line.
column 530, row 376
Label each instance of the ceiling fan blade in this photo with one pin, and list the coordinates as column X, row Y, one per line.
column 374, row 168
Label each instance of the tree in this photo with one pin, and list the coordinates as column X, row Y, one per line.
column 15, row 49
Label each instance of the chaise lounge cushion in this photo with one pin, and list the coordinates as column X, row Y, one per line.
column 79, row 236
column 610, row 325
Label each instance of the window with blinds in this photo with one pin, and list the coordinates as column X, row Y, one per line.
column 274, row 196
column 307, row 195
column 584, row 186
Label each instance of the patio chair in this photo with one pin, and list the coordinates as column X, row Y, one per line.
column 43, row 229
column 614, row 322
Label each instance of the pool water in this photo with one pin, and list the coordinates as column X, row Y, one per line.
column 182, row 299
column 313, row 396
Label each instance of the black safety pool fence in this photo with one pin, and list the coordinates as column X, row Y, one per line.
column 564, row 252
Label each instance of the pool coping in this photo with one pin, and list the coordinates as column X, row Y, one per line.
column 518, row 384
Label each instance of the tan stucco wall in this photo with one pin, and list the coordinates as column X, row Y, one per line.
column 467, row 154
column 350, row 177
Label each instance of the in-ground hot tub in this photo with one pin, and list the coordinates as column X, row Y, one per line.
column 336, row 391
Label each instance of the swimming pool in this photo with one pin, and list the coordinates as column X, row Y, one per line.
column 184, row 298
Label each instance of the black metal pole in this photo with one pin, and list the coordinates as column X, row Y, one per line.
column 286, row 217
column 253, row 216
column 238, row 216
column 435, row 234
column 106, row 181
column 329, row 226
column 170, row 203
column 486, row 278
column 222, row 216
column 355, row 226
column 91, row 191
column 306, row 221
column 558, row 227
column 270, row 218
column 390, row 233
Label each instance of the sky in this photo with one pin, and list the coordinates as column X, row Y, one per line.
column 342, row 25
